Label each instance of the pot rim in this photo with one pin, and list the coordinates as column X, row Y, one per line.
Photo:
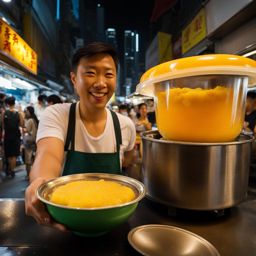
column 241, row 139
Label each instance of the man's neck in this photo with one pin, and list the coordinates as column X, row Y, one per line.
column 92, row 115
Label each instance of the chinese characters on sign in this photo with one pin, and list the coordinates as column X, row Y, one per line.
column 13, row 46
column 194, row 32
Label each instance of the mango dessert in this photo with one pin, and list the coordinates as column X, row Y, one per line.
column 92, row 194
column 199, row 115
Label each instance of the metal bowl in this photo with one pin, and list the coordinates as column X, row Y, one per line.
column 91, row 221
column 158, row 240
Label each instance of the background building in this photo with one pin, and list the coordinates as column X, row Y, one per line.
column 29, row 43
column 55, row 29
column 131, row 61
column 200, row 27
column 110, row 36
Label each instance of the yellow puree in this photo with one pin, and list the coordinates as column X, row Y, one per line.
column 202, row 115
column 91, row 194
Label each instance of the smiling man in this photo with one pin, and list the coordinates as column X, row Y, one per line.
column 84, row 136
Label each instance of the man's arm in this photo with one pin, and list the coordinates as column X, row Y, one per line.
column 49, row 159
column 128, row 158
column 47, row 165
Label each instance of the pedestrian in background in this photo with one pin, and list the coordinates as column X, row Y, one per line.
column 53, row 99
column 2, row 110
column 123, row 109
column 29, row 137
column 250, row 112
column 40, row 105
column 142, row 123
column 12, row 122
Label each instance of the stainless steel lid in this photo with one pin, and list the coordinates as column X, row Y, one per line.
column 159, row 240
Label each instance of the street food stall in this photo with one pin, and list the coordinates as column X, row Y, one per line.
column 231, row 234
column 194, row 175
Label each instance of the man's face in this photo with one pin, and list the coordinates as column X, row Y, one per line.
column 95, row 80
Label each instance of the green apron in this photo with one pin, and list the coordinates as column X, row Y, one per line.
column 81, row 162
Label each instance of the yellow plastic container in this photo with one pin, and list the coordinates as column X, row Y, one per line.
column 201, row 98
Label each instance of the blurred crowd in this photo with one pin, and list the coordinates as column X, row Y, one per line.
column 250, row 121
column 143, row 114
column 18, row 128
column 143, row 117
column 250, row 113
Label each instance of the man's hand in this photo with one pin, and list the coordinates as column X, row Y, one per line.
column 35, row 208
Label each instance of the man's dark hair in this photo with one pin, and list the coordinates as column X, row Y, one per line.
column 92, row 49
column 54, row 99
column 141, row 105
column 42, row 97
column 251, row 95
column 2, row 100
column 10, row 101
column 2, row 96
column 123, row 107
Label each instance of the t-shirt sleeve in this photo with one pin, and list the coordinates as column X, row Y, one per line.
column 128, row 132
column 132, row 135
column 53, row 122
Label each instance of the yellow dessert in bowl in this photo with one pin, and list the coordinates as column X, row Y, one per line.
column 91, row 204
column 92, row 194
column 197, row 114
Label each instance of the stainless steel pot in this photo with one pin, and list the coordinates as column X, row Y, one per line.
column 197, row 176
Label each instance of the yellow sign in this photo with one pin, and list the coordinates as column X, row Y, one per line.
column 165, row 47
column 13, row 46
column 194, row 32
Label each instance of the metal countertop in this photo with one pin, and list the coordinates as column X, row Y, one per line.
column 232, row 234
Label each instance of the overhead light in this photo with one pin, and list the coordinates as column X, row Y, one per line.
column 7, row 1
column 55, row 86
column 5, row 20
column 5, row 83
column 249, row 53
column 21, row 84
column 136, row 42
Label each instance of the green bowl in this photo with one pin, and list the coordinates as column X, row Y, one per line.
column 91, row 221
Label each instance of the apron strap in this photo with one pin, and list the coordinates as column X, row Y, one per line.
column 117, row 130
column 71, row 128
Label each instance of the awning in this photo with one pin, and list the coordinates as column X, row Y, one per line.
column 22, row 75
column 55, row 86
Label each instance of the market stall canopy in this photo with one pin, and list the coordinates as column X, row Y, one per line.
column 55, row 86
column 137, row 98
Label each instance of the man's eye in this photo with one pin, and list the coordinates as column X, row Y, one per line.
column 109, row 75
column 89, row 73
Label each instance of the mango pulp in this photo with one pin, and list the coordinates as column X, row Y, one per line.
column 199, row 115
column 92, row 194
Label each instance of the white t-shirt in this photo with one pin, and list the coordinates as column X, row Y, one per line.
column 54, row 123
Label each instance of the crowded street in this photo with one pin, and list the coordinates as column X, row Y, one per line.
column 127, row 128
